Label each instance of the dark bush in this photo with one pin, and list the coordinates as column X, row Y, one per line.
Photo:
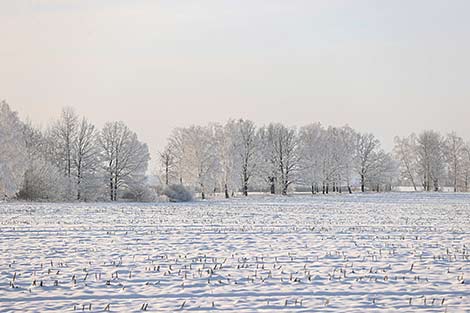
column 178, row 193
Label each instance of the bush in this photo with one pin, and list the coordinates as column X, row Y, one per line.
column 178, row 193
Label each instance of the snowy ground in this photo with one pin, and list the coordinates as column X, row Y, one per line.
column 349, row 253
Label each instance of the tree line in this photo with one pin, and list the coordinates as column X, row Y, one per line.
column 240, row 157
column 72, row 160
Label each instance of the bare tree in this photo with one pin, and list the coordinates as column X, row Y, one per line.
column 64, row 133
column 466, row 166
column 368, row 158
column 12, row 152
column 85, row 155
column 42, row 180
column 124, row 156
column 245, row 145
column 196, row 156
column 310, row 147
column 455, row 155
column 269, row 167
column 224, row 138
column 431, row 160
column 167, row 162
column 405, row 153
column 285, row 144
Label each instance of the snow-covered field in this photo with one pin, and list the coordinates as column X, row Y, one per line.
column 393, row 252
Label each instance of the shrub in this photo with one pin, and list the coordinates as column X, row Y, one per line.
column 178, row 193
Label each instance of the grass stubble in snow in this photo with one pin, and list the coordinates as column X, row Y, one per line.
column 349, row 253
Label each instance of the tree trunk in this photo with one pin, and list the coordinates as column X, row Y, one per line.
column 79, row 181
column 226, row 192
column 111, row 189
column 167, row 174
column 273, row 186
column 466, row 182
column 363, row 184
column 115, row 190
column 349, row 189
column 284, row 188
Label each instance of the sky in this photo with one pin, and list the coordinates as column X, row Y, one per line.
column 386, row 67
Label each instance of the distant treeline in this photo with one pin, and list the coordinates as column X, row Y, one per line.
column 73, row 160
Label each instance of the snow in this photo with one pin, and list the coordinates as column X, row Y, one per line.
column 402, row 252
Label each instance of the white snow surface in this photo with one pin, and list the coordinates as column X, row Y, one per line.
column 406, row 252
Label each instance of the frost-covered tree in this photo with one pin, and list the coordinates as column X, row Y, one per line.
column 310, row 154
column 86, row 160
column 124, row 158
column 167, row 160
column 226, row 154
column 63, row 135
column 245, row 146
column 345, row 149
column 12, row 152
column 454, row 151
column 280, row 145
column 336, row 157
column 268, row 167
column 466, row 166
column 405, row 154
column 382, row 175
column 42, row 180
column 369, row 158
column 431, row 160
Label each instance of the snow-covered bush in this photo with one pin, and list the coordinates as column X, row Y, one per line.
column 178, row 193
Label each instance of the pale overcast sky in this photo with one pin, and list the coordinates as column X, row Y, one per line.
column 388, row 67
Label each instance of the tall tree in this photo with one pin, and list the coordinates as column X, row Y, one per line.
column 368, row 158
column 405, row 153
column 125, row 157
column 310, row 147
column 269, row 165
column 43, row 179
column 167, row 163
column 12, row 152
column 63, row 136
column 85, row 156
column 454, row 150
column 285, row 145
column 245, row 145
column 431, row 161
